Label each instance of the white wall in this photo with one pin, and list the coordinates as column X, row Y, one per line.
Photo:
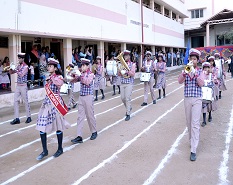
column 33, row 17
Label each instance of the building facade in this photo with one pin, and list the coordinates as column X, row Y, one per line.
column 207, row 20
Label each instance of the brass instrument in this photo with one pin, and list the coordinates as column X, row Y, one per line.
column 71, row 72
column 94, row 68
column 11, row 67
column 123, row 67
column 189, row 67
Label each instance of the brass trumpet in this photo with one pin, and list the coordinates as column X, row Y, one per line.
column 11, row 67
column 189, row 67
column 71, row 72
column 123, row 66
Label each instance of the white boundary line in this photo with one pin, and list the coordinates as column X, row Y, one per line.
column 223, row 169
column 74, row 124
column 72, row 146
column 33, row 125
column 125, row 146
column 33, row 114
column 161, row 165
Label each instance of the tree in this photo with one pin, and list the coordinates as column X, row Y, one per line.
column 227, row 35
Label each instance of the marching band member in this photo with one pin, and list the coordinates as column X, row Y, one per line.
column 149, row 65
column 21, row 89
column 127, row 81
column 116, row 81
column 85, row 104
column 50, row 117
column 206, row 105
column 71, row 91
column 161, row 79
column 214, row 70
column 221, row 72
column 99, row 80
column 193, row 82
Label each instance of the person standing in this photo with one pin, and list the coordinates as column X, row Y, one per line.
column 21, row 89
column 221, row 73
column 99, row 80
column 193, row 82
column 150, row 66
column 208, row 106
column 116, row 81
column 127, row 81
column 71, row 90
column 161, row 80
column 51, row 114
column 85, row 103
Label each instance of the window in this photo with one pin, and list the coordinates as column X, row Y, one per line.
column 157, row 8
column 198, row 13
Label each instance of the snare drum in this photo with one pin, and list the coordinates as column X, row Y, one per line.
column 207, row 94
column 145, row 77
column 111, row 68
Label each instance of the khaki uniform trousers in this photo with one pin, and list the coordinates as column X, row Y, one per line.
column 86, row 108
column 148, row 85
column 21, row 91
column 126, row 92
column 193, row 110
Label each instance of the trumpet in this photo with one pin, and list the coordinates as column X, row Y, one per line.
column 71, row 72
column 123, row 66
column 11, row 67
column 189, row 68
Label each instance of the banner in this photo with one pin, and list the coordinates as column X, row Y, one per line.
column 225, row 52
column 62, row 109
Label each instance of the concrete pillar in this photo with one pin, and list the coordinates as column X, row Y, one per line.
column 153, row 50
column 152, row 4
column 163, row 48
column 207, row 35
column 100, row 50
column 67, row 52
column 14, row 49
column 123, row 46
column 170, row 14
column 162, row 10
column 172, row 56
column 177, row 17
column 182, row 20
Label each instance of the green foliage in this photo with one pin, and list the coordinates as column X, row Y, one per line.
column 227, row 35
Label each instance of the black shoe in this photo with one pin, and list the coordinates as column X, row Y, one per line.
column 102, row 97
column 159, row 98
column 15, row 121
column 154, row 86
column 114, row 94
column 78, row 139
column 216, row 97
column 119, row 92
column 28, row 120
column 220, row 96
column 96, row 99
column 69, row 109
column 75, row 105
column 154, row 101
column 93, row 136
column 193, row 157
column 58, row 153
column 203, row 124
column 127, row 118
column 210, row 119
column 143, row 104
column 42, row 155
column 164, row 96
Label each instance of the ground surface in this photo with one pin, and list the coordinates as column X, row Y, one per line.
column 152, row 148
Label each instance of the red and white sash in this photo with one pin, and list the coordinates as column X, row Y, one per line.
column 54, row 99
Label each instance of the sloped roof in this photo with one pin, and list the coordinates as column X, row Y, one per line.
column 223, row 15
